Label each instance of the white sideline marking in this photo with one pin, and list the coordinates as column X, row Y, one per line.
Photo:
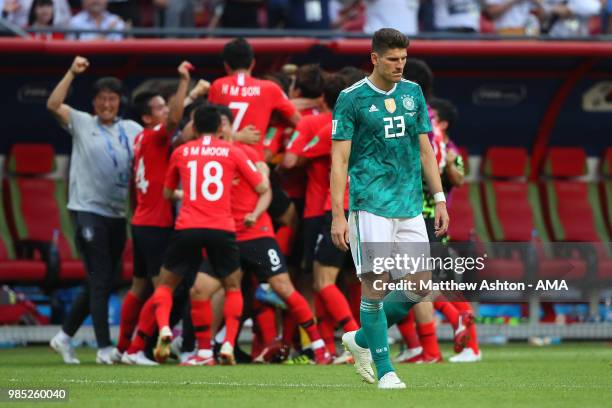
column 303, row 385
column 221, row 383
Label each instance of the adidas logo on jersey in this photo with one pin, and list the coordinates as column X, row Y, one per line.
column 373, row 109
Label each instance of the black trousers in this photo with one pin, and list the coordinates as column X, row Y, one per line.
column 100, row 241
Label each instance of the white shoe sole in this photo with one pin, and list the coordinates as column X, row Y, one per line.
column 59, row 350
column 400, row 386
column 363, row 373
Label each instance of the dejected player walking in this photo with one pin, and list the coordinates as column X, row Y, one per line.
column 379, row 133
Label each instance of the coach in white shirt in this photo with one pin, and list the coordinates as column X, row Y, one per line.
column 401, row 15
column 457, row 15
column 95, row 16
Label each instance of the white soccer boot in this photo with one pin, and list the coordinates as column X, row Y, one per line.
column 108, row 355
column 61, row 344
column 362, row 357
column 138, row 358
column 466, row 356
column 390, row 381
column 408, row 355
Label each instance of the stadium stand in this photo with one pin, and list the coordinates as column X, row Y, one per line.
column 11, row 268
column 38, row 216
column 514, row 213
column 469, row 225
column 573, row 206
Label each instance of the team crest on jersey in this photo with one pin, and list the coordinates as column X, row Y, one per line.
column 408, row 102
column 390, row 105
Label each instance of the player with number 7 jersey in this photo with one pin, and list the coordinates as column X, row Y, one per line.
column 251, row 100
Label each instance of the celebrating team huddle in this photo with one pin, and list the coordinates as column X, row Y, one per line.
column 241, row 200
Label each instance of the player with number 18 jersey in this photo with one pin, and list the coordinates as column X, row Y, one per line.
column 207, row 167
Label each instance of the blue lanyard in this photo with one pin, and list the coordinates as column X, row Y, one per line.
column 109, row 145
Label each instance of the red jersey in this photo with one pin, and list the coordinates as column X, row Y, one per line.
column 207, row 167
column 294, row 180
column 305, row 130
column 251, row 100
column 318, row 189
column 244, row 200
column 151, row 157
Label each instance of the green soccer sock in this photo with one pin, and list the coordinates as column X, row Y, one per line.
column 396, row 306
column 373, row 334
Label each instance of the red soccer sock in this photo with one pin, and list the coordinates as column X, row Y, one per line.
column 257, row 345
column 354, row 298
column 265, row 318
column 407, row 329
column 429, row 339
column 325, row 324
column 338, row 307
column 145, row 328
column 162, row 299
column 473, row 343
column 232, row 312
column 129, row 319
column 303, row 315
column 289, row 328
column 284, row 237
column 201, row 317
column 449, row 311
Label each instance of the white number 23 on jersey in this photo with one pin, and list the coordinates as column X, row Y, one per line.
column 394, row 127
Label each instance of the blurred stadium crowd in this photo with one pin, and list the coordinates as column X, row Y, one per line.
column 555, row 18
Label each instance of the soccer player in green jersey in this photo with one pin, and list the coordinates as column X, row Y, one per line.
column 379, row 133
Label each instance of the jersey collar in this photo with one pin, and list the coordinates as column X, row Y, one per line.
column 380, row 91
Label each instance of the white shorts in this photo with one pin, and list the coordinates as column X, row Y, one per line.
column 374, row 238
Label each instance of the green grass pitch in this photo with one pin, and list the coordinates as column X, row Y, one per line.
column 567, row 375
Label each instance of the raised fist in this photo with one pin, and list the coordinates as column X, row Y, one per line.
column 79, row 65
column 184, row 69
column 200, row 89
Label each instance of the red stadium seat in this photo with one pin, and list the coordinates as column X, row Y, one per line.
column 460, row 212
column 514, row 211
column 11, row 268
column 468, row 224
column 38, row 205
column 574, row 212
column 507, row 202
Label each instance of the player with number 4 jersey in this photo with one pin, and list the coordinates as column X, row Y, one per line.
column 153, row 216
